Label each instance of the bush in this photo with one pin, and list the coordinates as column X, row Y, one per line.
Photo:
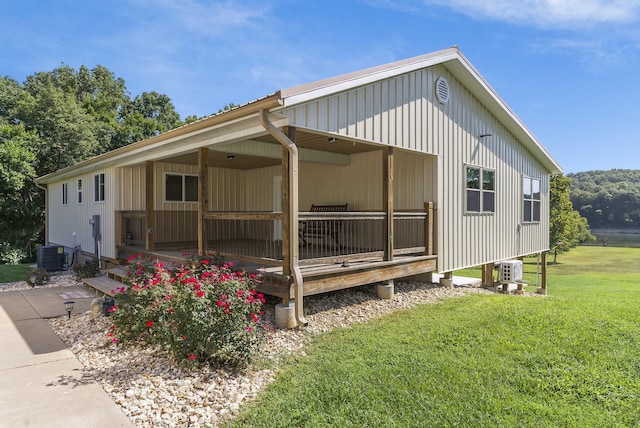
column 10, row 255
column 38, row 277
column 201, row 312
column 87, row 270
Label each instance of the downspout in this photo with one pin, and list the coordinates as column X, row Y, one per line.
column 46, row 211
column 293, row 212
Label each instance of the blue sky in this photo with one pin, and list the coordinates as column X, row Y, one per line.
column 570, row 69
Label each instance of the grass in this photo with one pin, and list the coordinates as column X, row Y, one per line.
column 569, row 359
column 14, row 273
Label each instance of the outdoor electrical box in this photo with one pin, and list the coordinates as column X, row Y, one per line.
column 95, row 223
column 50, row 257
column 511, row 271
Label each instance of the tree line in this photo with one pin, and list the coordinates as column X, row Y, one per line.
column 607, row 199
column 56, row 119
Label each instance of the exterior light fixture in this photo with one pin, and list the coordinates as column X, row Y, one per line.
column 230, row 157
column 331, row 140
column 69, row 307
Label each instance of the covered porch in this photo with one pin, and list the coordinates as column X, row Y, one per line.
column 255, row 200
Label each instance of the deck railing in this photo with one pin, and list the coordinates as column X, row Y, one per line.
column 257, row 236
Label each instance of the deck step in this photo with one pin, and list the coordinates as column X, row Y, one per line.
column 103, row 284
column 118, row 273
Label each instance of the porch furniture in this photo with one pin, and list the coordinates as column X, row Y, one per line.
column 321, row 229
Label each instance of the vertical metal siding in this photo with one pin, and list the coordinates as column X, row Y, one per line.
column 404, row 112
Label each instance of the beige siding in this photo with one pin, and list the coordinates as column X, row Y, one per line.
column 404, row 112
column 132, row 182
column 69, row 224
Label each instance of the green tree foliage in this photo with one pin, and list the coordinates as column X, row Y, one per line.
column 56, row 119
column 567, row 227
column 608, row 199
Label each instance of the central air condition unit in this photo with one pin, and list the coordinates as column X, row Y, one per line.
column 51, row 257
column 511, row 271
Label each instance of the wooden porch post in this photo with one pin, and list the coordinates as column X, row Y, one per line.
column 150, row 205
column 428, row 229
column 487, row 274
column 543, row 284
column 203, row 198
column 387, row 200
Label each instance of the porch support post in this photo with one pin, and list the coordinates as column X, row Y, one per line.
column 428, row 228
column 387, row 200
column 292, row 229
column 487, row 274
column 203, row 198
column 543, row 284
column 150, row 209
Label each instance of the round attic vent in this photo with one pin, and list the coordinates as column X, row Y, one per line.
column 442, row 90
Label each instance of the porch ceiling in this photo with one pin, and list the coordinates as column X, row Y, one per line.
column 220, row 158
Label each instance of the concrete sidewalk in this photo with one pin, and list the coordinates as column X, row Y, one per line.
column 42, row 384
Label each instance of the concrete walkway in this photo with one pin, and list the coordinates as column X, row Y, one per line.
column 42, row 384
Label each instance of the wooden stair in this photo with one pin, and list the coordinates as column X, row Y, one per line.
column 113, row 280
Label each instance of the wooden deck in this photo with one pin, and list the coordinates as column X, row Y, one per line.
column 317, row 278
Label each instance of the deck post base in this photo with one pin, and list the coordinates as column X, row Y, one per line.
column 447, row 282
column 286, row 315
column 541, row 290
column 385, row 291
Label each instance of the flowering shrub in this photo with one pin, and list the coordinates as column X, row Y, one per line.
column 201, row 311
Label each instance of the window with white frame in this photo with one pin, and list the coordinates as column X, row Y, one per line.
column 480, row 190
column 65, row 193
column 531, row 200
column 98, row 187
column 181, row 188
column 79, row 192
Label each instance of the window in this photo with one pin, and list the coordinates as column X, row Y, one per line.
column 181, row 188
column 531, row 199
column 65, row 193
column 80, row 190
column 98, row 187
column 481, row 190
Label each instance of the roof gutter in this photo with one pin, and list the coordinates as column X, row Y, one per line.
column 294, row 268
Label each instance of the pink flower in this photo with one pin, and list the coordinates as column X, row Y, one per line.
column 192, row 357
column 149, row 323
column 248, row 328
column 112, row 309
column 184, row 337
column 223, row 296
column 114, row 340
column 170, row 310
column 219, row 303
column 240, row 293
column 130, row 258
column 205, row 262
column 200, row 293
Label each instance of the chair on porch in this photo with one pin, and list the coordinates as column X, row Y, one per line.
column 323, row 229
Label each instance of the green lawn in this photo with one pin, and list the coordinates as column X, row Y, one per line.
column 14, row 273
column 569, row 359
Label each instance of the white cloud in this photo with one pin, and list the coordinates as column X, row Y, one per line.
column 548, row 13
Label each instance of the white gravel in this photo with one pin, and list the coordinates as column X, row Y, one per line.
column 154, row 392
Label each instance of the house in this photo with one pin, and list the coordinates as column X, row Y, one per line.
column 412, row 167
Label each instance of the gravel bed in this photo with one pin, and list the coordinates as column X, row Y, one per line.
column 154, row 392
column 58, row 279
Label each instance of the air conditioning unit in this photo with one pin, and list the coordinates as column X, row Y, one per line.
column 50, row 257
column 511, row 271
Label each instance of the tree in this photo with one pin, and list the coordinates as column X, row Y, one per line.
column 567, row 228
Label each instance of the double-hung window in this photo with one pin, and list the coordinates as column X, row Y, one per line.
column 79, row 190
column 98, row 187
column 181, row 188
column 531, row 200
column 480, row 190
column 65, row 193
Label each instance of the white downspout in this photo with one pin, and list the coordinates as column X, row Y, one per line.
column 293, row 212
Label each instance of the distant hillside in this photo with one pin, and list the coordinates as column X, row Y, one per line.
column 608, row 199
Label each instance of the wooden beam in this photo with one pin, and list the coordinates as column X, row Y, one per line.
column 543, row 283
column 487, row 274
column 150, row 209
column 203, row 198
column 428, row 228
column 387, row 200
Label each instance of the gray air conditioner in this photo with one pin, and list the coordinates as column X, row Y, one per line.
column 51, row 257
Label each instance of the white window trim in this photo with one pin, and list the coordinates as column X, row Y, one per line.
column 96, row 189
column 177, row 174
column 65, row 194
column 79, row 191
column 532, row 200
column 464, row 195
